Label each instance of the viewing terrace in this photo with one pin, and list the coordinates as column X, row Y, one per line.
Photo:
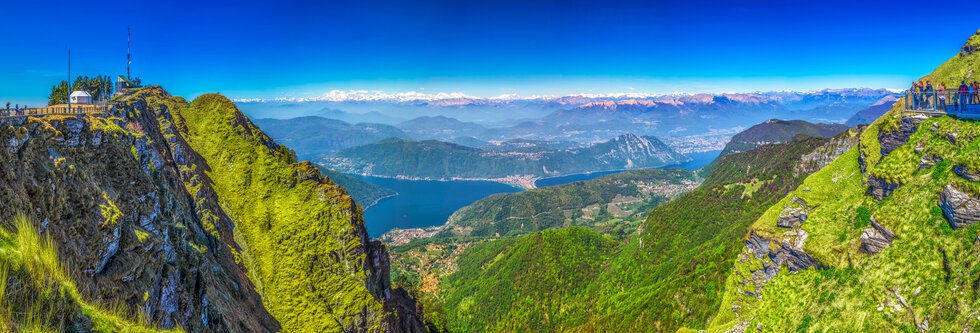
column 57, row 109
column 962, row 105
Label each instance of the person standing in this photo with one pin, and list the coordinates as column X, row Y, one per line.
column 941, row 92
column 927, row 93
column 961, row 95
column 974, row 89
column 913, row 97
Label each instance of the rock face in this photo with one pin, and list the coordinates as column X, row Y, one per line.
column 929, row 161
column 876, row 238
column 123, row 220
column 792, row 217
column 775, row 251
column 894, row 139
column 960, row 208
column 880, row 188
column 137, row 219
column 966, row 173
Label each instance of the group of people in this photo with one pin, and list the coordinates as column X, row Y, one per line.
column 925, row 96
column 16, row 110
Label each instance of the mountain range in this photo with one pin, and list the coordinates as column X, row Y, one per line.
column 432, row 159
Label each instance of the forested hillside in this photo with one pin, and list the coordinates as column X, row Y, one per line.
column 775, row 131
column 669, row 274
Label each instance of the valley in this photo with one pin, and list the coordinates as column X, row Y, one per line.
column 487, row 166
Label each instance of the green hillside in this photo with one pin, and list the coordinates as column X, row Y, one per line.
column 285, row 217
column 887, row 243
column 432, row 159
column 669, row 275
column 364, row 193
column 613, row 205
column 773, row 131
column 523, row 284
column 609, row 204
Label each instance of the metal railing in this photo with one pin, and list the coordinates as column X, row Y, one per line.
column 948, row 101
column 57, row 109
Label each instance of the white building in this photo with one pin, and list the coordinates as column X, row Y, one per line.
column 80, row 97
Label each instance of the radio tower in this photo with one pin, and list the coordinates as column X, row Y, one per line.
column 128, row 61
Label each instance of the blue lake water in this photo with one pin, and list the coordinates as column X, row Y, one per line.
column 698, row 160
column 426, row 203
column 423, row 203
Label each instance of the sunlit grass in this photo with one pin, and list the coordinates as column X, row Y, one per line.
column 43, row 297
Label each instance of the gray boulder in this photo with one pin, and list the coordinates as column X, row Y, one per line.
column 876, row 238
column 959, row 208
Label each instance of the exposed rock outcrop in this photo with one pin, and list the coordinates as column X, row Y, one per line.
column 775, row 251
column 893, row 139
column 828, row 152
column 122, row 218
column 960, row 208
column 137, row 218
column 965, row 172
column 880, row 188
column 793, row 215
column 876, row 238
column 929, row 161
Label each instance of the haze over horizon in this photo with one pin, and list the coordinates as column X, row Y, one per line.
column 300, row 49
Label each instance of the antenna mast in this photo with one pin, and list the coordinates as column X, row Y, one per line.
column 128, row 61
column 69, row 80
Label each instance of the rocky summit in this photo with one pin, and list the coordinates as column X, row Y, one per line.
column 147, row 217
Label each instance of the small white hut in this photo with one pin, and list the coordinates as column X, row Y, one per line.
column 80, row 97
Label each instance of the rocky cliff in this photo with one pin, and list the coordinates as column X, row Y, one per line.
column 190, row 214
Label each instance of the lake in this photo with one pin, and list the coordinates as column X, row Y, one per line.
column 698, row 160
column 423, row 203
column 427, row 203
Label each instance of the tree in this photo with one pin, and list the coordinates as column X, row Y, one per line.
column 100, row 87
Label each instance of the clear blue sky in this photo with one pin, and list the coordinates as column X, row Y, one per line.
column 484, row 48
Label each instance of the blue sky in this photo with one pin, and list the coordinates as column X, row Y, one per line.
column 483, row 48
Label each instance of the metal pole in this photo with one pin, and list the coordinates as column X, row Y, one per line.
column 69, row 78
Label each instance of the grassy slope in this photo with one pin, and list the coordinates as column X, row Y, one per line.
column 669, row 276
column 933, row 267
column 38, row 295
column 301, row 247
